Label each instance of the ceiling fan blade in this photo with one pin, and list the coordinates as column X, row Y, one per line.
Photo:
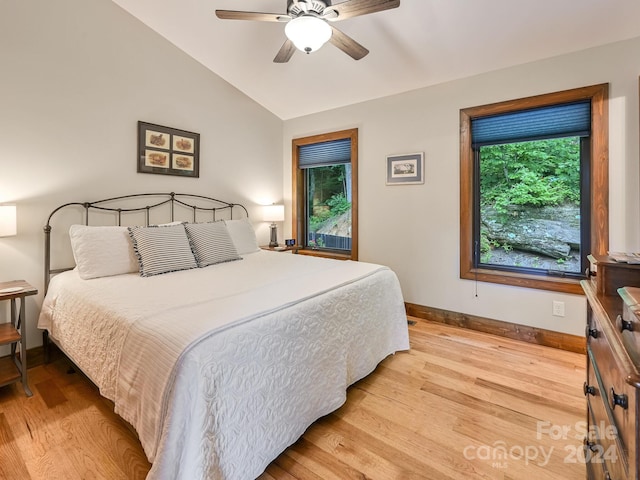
column 260, row 17
column 347, row 44
column 286, row 52
column 354, row 8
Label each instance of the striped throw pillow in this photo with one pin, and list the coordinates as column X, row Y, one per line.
column 162, row 249
column 211, row 243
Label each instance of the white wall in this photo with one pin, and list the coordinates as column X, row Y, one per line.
column 415, row 229
column 76, row 76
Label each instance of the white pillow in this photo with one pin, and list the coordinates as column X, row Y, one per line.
column 162, row 249
column 243, row 236
column 102, row 251
column 211, row 243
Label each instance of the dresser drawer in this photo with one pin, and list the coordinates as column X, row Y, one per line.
column 615, row 395
column 605, row 451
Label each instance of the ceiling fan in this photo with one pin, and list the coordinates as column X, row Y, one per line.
column 307, row 24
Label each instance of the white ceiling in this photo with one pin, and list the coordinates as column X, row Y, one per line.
column 420, row 43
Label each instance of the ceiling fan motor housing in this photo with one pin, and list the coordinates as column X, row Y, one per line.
column 296, row 8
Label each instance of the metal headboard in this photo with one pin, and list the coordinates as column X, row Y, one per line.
column 152, row 201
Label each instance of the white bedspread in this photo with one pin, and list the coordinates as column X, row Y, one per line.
column 220, row 369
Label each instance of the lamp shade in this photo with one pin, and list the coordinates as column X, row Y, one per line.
column 273, row 213
column 308, row 33
column 8, row 226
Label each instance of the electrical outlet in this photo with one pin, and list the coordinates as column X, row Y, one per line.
column 558, row 309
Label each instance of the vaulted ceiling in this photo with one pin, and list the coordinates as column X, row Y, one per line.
column 420, row 43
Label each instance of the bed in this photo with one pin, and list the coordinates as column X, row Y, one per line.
column 218, row 367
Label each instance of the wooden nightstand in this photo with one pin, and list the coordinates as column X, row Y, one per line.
column 14, row 367
column 281, row 248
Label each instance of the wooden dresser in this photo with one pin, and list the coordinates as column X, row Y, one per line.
column 613, row 370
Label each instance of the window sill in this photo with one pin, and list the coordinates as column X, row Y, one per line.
column 554, row 284
column 324, row 254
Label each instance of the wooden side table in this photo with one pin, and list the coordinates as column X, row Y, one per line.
column 14, row 367
column 281, row 248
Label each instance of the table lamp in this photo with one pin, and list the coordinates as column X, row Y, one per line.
column 273, row 214
column 8, row 226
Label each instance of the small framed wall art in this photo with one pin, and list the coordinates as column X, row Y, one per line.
column 168, row 151
column 405, row 169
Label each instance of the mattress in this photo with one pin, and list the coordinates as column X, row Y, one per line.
column 219, row 369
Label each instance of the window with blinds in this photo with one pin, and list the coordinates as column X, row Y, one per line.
column 527, row 181
column 324, row 179
column 529, row 206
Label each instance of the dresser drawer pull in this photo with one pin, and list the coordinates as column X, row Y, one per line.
column 588, row 389
column 619, row 400
column 624, row 324
column 593, row 332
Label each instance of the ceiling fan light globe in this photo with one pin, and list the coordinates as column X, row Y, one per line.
column 308, row 33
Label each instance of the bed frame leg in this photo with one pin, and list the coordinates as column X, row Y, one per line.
column 46, row 346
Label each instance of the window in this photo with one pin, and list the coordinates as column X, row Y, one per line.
column 534, row 189
column 325, row 186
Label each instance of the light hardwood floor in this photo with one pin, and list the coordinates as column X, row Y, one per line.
column 459, row 405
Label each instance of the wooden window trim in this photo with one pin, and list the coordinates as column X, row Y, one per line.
column 599, row 178
column 298, row 188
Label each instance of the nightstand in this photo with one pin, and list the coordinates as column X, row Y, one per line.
column 281, row 248
column 14, row 367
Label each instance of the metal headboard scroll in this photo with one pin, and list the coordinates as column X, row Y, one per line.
column 195, row 203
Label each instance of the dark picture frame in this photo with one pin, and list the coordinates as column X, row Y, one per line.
column 168, row 151
column 407, row 169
